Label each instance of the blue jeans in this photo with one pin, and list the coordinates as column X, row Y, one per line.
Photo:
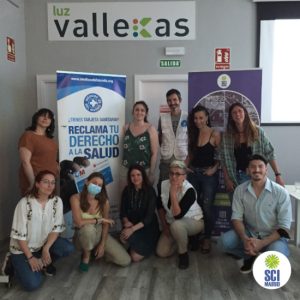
column 32, row 280
column 231, row 243
column 206, row 187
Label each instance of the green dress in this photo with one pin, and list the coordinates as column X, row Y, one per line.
column 137, row 149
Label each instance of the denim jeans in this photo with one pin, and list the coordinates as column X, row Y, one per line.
column 32, row 280
column 206, row 187
column 231, row 243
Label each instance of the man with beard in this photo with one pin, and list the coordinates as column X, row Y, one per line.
column 172, row 133
column 261, row 217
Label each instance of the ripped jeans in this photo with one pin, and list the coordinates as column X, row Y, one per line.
column 206, row 187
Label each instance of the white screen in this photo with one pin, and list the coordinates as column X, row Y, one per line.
column 280, row 61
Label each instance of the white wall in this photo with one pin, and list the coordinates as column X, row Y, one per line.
column 13, row 103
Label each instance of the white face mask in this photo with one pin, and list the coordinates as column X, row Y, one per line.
column 94, row 189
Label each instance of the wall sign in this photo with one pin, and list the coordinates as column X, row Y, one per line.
column 170, row 63
column 222, row 58
column 174, row 20
column 11, row 50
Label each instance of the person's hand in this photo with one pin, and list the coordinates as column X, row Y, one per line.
column 230, row 186
column 46, row 258
column 127, row 224
column 35, row 264
column 111, row 222
column 99, row 252
column 256, row 244
column 210, row 171
column 126, row 233
column 166, row 230
column 248, row 247
column 279, row 180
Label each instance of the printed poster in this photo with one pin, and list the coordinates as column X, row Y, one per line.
column 91, row 112
column 217, row 90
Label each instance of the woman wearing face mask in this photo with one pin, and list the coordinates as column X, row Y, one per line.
column 90, row 211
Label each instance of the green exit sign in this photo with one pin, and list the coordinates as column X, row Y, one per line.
column 170, row 63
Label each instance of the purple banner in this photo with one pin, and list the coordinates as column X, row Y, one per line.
column 217, row 90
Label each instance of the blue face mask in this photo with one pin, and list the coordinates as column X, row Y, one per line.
column 94, row 189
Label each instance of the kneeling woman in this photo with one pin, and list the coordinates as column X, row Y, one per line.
column 180, row 214
column 140, row 227
column 34, row 244
column 90, row 211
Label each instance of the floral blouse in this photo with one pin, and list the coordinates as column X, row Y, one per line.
column 33, row 223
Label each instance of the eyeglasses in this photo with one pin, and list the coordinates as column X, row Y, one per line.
column 46, row 181
column 176, row 174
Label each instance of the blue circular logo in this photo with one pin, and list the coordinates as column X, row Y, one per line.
column 184, row 123
column 92, row 102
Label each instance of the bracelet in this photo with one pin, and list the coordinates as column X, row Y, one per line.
column 29, row 258
column 96, row 221
column 277, row 174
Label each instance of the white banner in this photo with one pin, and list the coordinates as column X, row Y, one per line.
column 91, row 112
column 174, row 20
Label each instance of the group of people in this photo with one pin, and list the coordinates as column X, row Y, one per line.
column 192, row 152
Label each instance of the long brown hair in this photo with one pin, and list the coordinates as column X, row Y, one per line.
column 101, row 197
column 250, row 130
column 34, row 192
column 193, row 130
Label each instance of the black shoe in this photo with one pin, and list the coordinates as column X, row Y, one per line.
column 247, row 267
column 183, row 262
column 50, row 270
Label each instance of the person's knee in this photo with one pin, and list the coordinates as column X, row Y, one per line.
column 32, row 285
column 176, row 226
column 124, row 261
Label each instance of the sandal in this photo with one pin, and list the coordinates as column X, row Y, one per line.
column 83, row 267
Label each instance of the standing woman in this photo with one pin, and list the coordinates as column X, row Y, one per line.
column 203, row 144
column 140, row 142
column 37, row 149
column 241, row 140
column 90, row 211
column 35, row 241
column 140, row 226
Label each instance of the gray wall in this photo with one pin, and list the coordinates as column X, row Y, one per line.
column 227, row 23
column 13, row 101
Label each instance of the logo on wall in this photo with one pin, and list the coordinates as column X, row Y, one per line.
column 223, row 81
column 121, row 21
column 92, row 102
column 272, row 270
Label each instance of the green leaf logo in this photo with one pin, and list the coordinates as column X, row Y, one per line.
column 272, row 261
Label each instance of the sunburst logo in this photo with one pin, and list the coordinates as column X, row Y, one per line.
column 272, row 270
column 272, row 261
